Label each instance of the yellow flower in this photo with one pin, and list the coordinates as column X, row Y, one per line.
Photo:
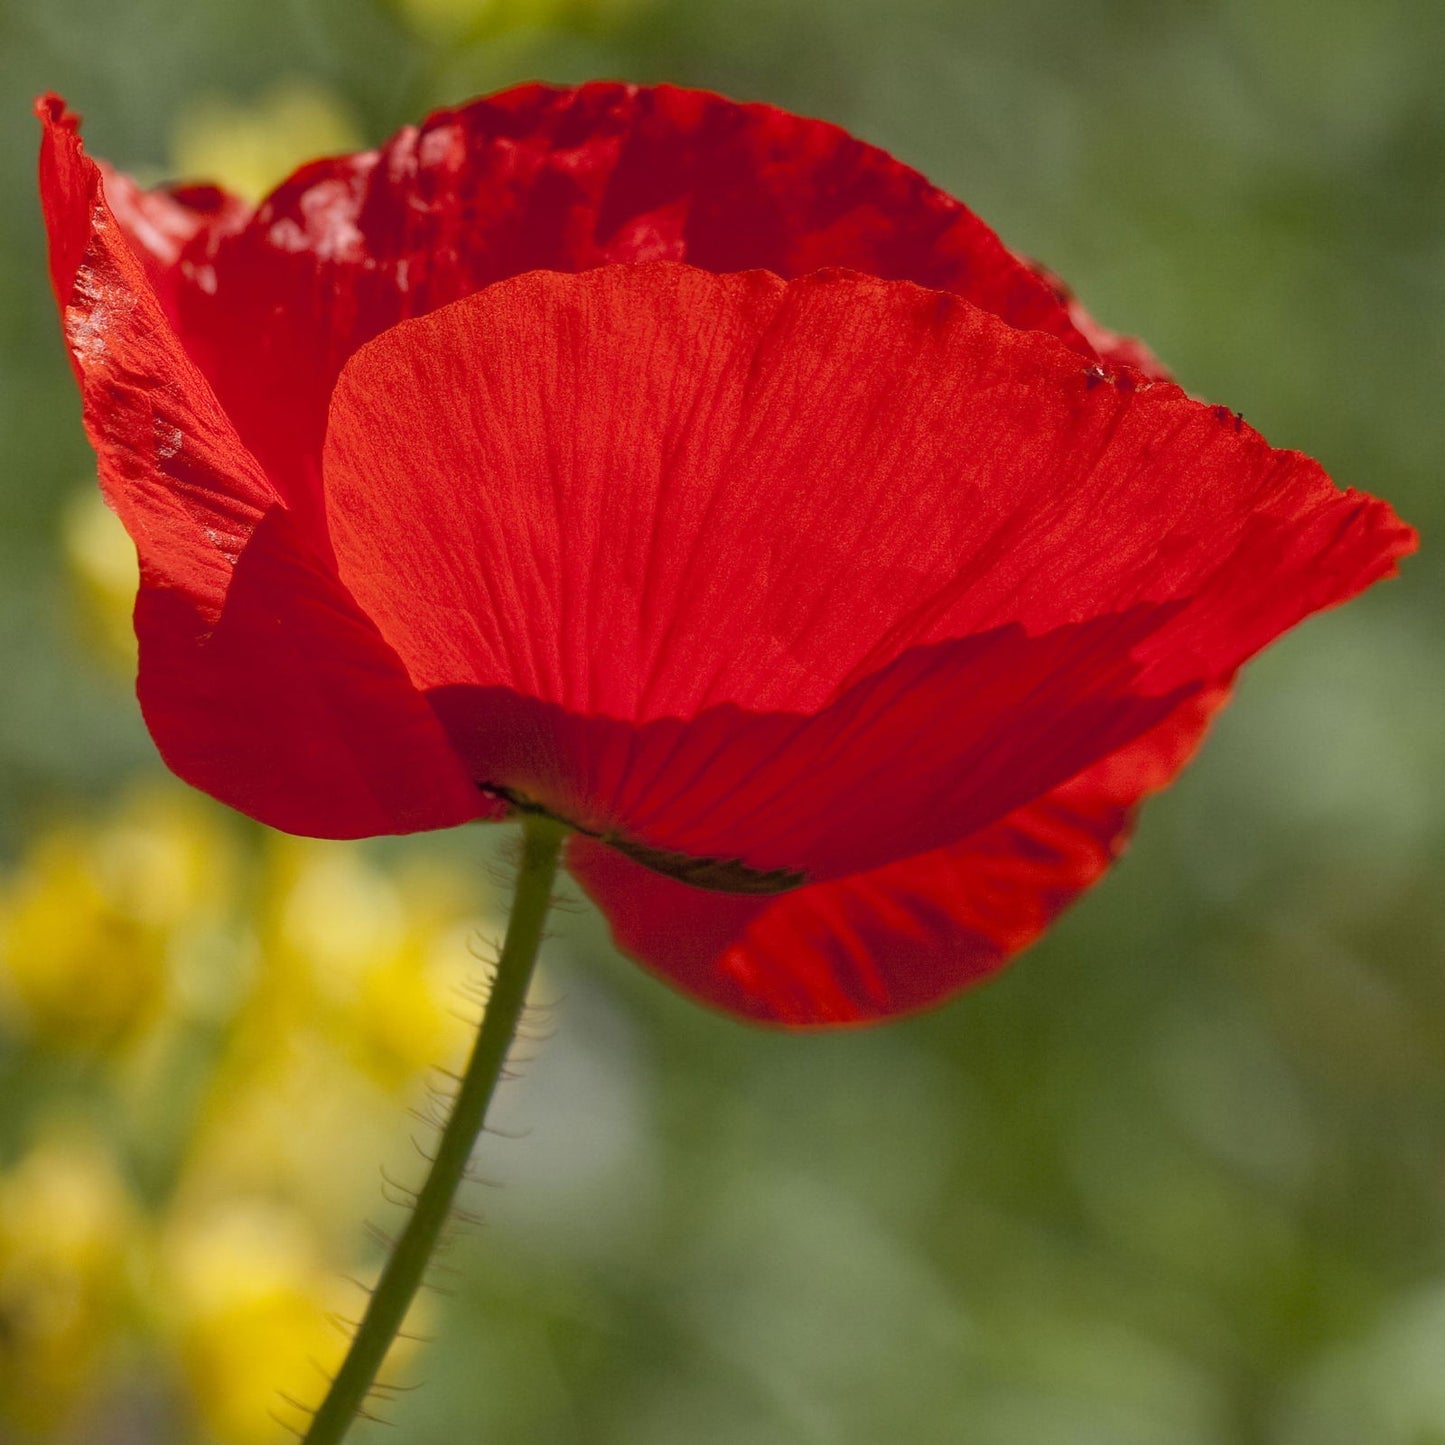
column 322, row 985
column 357, row 994
column 384, row 959
column 449, row 20
column 251, row 1310
column 102, row 563
column 91, row 919
column 66, row 1227
column 287, row 1117
column 250, row 148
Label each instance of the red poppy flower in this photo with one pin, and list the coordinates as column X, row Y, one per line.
column 702, row 476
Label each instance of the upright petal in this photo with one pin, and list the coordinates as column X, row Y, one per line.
column 565, row 180
column 159, row 223
column 261, row 681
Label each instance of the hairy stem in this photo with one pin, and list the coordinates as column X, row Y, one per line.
column 542, row 841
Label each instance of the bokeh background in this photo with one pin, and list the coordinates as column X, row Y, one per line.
column 1177, row 1178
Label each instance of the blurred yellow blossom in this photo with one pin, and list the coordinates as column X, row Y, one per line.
column 67, row 1226
column 91, row 919
column 285, row 1117
column 415, row 1009
column 360, row 990
column 381, row 960
column 269, row 1002
column 101, row 559
column 249, row 148
column 450, row 20
column 251, row 1300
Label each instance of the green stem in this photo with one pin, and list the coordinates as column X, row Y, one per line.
column 542, row 841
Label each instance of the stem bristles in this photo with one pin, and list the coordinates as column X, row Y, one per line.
column 412, row 1252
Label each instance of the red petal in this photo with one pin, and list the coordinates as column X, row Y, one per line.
column 159, row 224
column 260, row 680
column 811, row 575
column 902, row 937
column 558, row 179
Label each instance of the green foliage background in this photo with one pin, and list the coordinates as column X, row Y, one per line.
column 1178, row 1178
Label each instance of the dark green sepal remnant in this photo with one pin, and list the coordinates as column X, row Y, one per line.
column 720, row 875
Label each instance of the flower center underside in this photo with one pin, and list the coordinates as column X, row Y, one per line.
column 721, row 875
